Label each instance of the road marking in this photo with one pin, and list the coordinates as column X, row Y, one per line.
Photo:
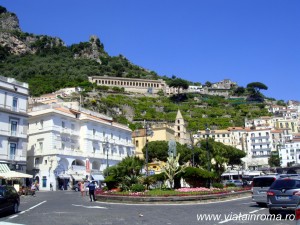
column 36, row 205
column 227, row 220
column 8, row 223
column 171, row 204
column 90, row 207
column 14, row 216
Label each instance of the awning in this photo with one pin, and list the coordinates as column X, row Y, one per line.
column 97, row 177
column 4, row 168
column 77, row 177
column 14, row 174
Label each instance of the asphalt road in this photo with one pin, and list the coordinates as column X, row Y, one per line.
column 69, row 208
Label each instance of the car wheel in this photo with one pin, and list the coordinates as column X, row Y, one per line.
column 76, row 189
column 15, row 208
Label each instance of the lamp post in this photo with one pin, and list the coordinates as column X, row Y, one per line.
column 106, row 149
column 148, row 132
column 192, row 148
column 207, row 131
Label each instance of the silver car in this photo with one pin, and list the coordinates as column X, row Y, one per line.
column 260, row 186
column 284, row 194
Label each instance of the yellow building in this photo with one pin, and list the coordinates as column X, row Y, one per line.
column 155, row 167
column 161, row 132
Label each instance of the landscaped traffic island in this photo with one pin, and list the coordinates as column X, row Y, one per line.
column 177, row 195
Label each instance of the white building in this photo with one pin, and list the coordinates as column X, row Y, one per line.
column 290, row 152
column 67, row 144
column 13, row 123
column 259, row 145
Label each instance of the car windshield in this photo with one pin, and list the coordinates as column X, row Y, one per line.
column 286, row 184
column 263, row 181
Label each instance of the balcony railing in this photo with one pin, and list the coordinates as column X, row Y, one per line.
column 10, row 133
column 261, row 143
column 260, row 137
column 11, row 108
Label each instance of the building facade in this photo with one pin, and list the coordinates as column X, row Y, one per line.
column 13, row 123
column 66, row 145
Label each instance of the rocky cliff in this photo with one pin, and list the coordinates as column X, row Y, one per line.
column 17, row 42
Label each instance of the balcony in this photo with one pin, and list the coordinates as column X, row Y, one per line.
column 14, row 134
column 261, row 143
column 260, row 137
column 261, row 149
column 261, row 156
column 13, row 109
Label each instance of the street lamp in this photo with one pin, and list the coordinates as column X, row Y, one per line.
column 106, row 146
column 192, row 148
column 207, row 132
column 148, row 132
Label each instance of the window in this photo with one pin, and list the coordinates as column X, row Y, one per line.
column 137, row 143
column 13, row 127
column 41, row 124
column 94, row 149
column 94, row 132
column 12, row 150
column 15, row 104
column 41, row 146
column 37, row 161
column 63, row 146
column 178, row 127
column 63, row 125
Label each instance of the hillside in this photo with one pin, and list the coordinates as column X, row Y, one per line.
column 47, row 64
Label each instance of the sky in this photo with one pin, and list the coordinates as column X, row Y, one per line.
column 198, row 40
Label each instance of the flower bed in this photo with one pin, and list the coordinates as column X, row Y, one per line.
column 177, row 192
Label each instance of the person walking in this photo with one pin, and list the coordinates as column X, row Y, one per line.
column 51, row 187
column 81, row 188
column 33, row 188
column 92, row 188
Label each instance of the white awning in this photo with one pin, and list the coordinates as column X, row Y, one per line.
column 4, row 168
column 77, row 177
column 14, row 174
column 98, row 177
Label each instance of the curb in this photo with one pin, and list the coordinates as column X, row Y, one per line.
column 169, row 199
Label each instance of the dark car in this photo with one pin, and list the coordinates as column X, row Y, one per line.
column 9, row 199
column 76, row 187
column 284, row 195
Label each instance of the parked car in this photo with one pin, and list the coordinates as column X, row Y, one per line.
column 284, row 194
column 9, row 199
column 237, row 183
column 76, row 187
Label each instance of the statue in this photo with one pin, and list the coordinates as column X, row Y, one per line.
column 172, row 148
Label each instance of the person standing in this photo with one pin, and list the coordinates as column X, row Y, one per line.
column 92, row 188
column 51, row 187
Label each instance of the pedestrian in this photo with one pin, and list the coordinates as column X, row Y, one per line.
column 92, row 188
column 81, row 187
column 51, row 187
column 33, row 188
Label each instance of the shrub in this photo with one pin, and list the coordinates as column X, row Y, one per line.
column 137, row 188
column 111, row 182
column 230, row 185
column 218, row 185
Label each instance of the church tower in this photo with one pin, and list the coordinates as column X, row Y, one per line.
column 179, row 128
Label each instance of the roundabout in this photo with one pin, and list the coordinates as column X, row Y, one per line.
column 109, row 197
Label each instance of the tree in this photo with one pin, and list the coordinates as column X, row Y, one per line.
column 157, row 150
column 239, row 91
column 274, row 160
column 178, row 83
column 172, row 168
column 256, row 86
